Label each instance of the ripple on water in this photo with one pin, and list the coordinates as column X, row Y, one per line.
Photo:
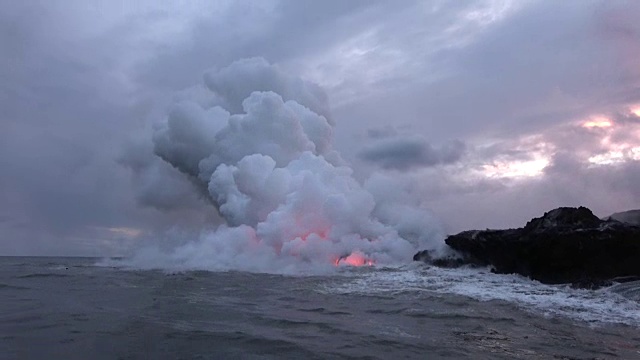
column 12, row 287
column 42, row 275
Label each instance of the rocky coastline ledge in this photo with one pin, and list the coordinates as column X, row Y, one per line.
column 565, row 245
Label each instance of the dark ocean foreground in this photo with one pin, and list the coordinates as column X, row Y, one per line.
column 70, row 308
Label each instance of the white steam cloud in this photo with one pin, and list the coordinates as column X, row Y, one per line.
column 263, row 155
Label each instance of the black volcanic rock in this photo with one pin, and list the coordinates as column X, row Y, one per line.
column 448, row 261
column 630, row 217
column 565, row 245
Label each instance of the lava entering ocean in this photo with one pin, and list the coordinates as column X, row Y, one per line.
column 259, row 144
column 354, row 259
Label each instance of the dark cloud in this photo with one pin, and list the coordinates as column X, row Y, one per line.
column 541, row 65
column 57, row 138
column 626, row 118
column 276, row 30
column 382, row 132
column 405, row 152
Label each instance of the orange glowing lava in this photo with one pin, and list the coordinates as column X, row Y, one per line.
column 355, row 259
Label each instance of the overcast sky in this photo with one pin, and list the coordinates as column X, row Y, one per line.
column 492, row 112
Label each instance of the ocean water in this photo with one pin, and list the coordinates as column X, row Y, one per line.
column 78, row 308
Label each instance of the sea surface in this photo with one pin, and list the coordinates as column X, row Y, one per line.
column 83, row 308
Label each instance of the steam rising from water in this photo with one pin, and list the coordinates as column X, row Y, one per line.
column 262, row 152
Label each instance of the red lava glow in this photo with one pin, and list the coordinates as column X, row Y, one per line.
column 355, row 259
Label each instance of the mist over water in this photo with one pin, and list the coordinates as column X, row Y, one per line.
column 257, row 143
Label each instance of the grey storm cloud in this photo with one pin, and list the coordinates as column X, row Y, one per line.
column 85, row 84
column 278, row 31
column 627, row 118
column 405, row 152
column 382, row 132
column 58, row 138
column 538, row 66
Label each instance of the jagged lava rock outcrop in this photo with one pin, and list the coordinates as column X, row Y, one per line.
column 630, row 217
column 565, row 245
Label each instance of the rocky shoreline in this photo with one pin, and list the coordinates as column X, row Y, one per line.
column 565, row 245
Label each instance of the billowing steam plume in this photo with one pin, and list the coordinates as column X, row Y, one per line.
column 263, row 156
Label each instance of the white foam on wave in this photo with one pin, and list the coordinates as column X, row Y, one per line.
column 596, row 307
